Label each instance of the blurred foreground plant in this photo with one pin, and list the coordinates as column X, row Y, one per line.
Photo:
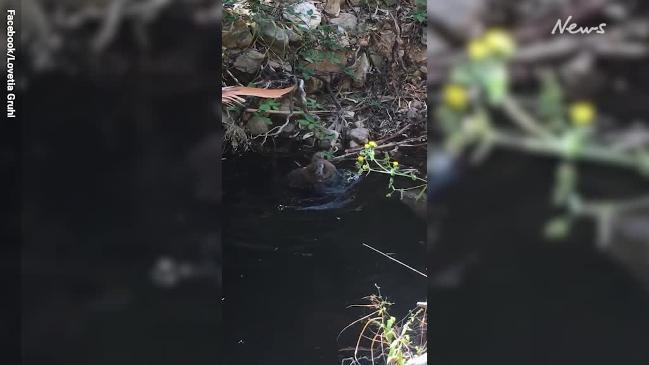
column 478, row 91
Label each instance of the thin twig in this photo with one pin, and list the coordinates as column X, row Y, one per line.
column 283, row 112
column 395, row 260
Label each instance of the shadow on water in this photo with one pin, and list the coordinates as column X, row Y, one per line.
column 289, row 275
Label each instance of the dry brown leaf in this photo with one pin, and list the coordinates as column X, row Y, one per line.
column 231, row 94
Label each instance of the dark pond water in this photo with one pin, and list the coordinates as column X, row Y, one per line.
column 289, row 275
column 521, row 300
column 106, row 192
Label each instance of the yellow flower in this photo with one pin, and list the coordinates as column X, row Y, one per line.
column 455, row 96
column 395, row 163
column 372, row 144
column 582, row 113
column 477, row 49
column 499, row 42
column 360, row 158
column 367, row 145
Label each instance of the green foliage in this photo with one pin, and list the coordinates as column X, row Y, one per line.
column 420, row 16
column 313, row 55
column 348, row 71
column 480, row 85
column 368, row 162
column 313, row 104
column 558, row 228
column 394, row 342
column 550, row 103
column 308, row 122
column 315, row 128
column 257, row 11
column 307, row 73
column 328, row 155
column 489, row 75
column 266, row 105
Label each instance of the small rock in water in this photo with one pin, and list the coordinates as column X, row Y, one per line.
column 346, row 21
column 359, row 135
column 249, row 61
column 304, row 14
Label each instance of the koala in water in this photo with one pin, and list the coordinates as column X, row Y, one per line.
column 313, row 176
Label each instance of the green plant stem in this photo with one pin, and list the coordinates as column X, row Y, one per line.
column 394, row 173
column 556, row 147
column 523, row 119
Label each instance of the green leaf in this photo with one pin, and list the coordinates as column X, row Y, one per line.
column 550, row 103
column 463, row 74
column 420, row 15
column 495, row 81
column 565, row 183
column 390, row 323
column 558, row 228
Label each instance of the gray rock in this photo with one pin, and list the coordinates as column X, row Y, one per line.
column 359, row 135
column 275, row 37
column 377, row 60
column 329, row 142
column 304, row 15
column 289, row 129
column 249, row 61
column 237, row 35
column 257, row 125
column 293, row 36
column 346, row 21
